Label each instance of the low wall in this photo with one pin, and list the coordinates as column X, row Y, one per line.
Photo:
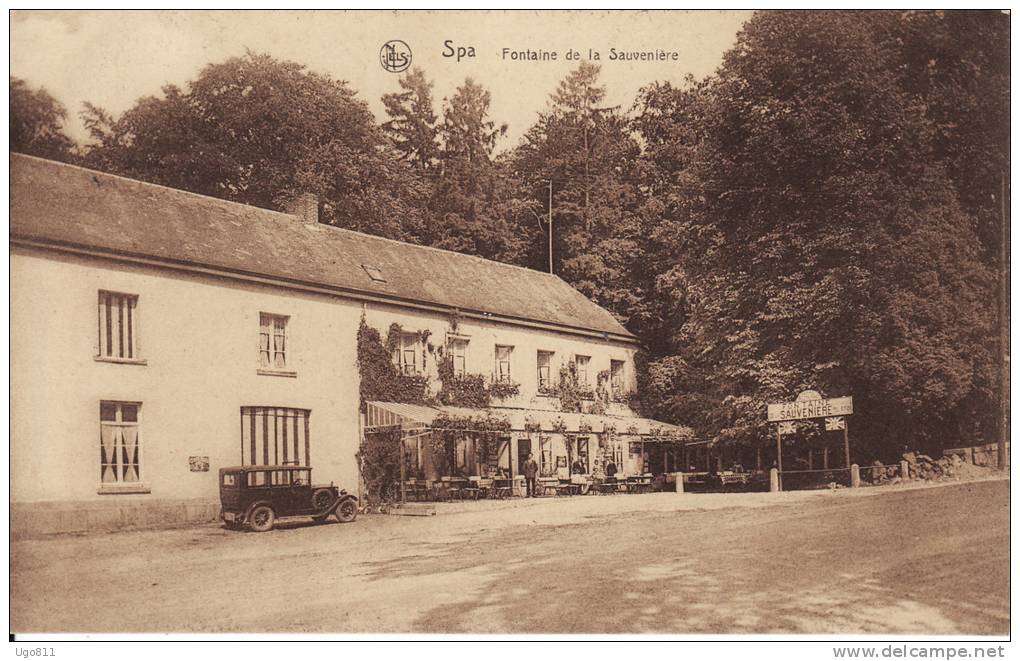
column 38, row 519
column 979, row 455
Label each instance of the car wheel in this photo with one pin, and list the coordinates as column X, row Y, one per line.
column 262, row 518
column 346, row 511
column 321, row 500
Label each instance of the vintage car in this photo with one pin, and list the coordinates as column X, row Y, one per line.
column 256, row 496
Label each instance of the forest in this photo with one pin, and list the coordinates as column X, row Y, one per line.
column 827, row 210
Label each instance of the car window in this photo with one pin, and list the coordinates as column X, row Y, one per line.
column 257, row 479
column 229, row 479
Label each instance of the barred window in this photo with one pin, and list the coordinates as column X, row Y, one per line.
column 119, row 443
column 273, row 341
column 118, row 333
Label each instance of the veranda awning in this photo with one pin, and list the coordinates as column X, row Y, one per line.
column 383, row 414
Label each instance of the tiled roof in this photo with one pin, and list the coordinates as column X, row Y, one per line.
column 56, row 203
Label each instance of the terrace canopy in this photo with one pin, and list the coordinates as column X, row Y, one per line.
column 391, row 414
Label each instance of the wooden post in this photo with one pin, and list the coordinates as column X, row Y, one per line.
column 810, row 459
column 846, row 441
column 825, row 458
column 779, row 457
column 757, row 458
column 855, row 476
column 403, row 481
column 774, row 480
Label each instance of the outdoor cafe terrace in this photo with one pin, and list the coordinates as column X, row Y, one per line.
column 483, row 455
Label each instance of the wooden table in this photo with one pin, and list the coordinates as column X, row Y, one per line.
column 502, row 488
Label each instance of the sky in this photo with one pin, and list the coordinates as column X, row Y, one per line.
column 111, row 58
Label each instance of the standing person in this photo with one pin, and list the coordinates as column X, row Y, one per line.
column 530, row 471
column 611, row 471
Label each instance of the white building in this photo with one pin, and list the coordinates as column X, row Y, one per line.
column 158, row 335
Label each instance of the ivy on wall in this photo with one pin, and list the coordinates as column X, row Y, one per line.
column 380, row 378
column 470, row 390
column 379, row 460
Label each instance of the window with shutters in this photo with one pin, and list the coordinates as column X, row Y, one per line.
column 458, row 352
column 273, row 350
column 120, row 448
column 118, row 328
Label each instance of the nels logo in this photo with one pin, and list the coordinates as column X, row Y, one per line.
column 395, row 56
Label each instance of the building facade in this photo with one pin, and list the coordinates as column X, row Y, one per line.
column 158, row 335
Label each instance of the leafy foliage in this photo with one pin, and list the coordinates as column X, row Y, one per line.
column 37, row 123
column 470, row 390
column 412, row 125
column 380, row 378
column 818, row 240
column 587, row 151
column 379, row 461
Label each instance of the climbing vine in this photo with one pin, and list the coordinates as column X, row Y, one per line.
column 486, row 429
column 379, row 459
column 470, row 390
column 380, row 378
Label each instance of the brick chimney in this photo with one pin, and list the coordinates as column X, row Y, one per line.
column 304, row 207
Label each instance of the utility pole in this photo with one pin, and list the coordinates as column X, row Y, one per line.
column 1003, row 325
column 550, row 228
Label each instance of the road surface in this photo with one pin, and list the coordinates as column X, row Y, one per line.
column 906, row 561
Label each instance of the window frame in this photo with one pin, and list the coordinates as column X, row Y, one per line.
column 401, row 351
column 104, row 350
column 452, row 342
column 585, row 382
column 499, row 376
column 120, row 486
column 269, row 332
column 549, row 384
column 617, row 387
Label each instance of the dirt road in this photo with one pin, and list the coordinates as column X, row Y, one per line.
column 922, row 561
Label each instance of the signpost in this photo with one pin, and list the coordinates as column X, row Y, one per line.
column 810, row 405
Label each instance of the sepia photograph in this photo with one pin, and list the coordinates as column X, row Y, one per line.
column 511, row 324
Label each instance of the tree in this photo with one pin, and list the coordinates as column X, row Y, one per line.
column 586, row 150
column 412, row 123
column 472, row 208
column 259, row 131
column 821, row 240
column 37, row 123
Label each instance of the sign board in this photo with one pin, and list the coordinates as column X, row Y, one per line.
column 811, row 408
column 835, row 424
column 198, row 464
column 786, row 428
